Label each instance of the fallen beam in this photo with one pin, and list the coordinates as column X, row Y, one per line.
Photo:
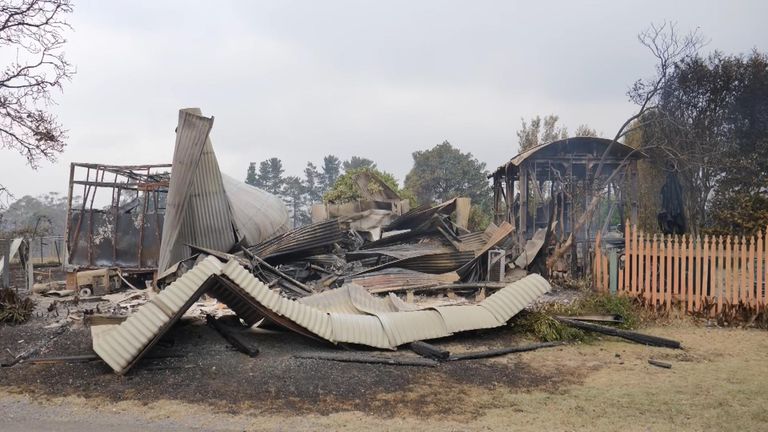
column 233, row 338
column 624, row 334
column 660, row 364
column 503, row 351
column 429, row 351
column 347, row 358
column 85, row 358
column 298, row 287
column 616, row 319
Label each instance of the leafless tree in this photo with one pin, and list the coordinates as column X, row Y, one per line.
column 31, row 41
column 668, row 47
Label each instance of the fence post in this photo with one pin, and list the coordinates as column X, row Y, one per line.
column 760, row 269
column 640, row 264
column 662, row 270
column 743, row 291
column 654, row 270
column 690, row 271
column 717, row 288
column 727, row 271
column 751, row 275
column 704, row 292
column 670, row 248
column 635, row 263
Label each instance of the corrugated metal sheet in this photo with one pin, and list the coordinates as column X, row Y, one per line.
column 420, row 215
column 406, row 327
column 510, row 300
column 335, row 300
column 314, row 239
column 436, row 263
column 121, row 346
column 236, row 303
column 400, row 279
column 367, row 303
column 308, row 317
column 191, row 139
column 401, row 305
column 359, row 329
column 384, row 326
column 205, row 210
column 397, row 251
column 258, row 214
column 501, row 234
column 469, row 317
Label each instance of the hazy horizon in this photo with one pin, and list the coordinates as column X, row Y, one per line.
column 300, row 80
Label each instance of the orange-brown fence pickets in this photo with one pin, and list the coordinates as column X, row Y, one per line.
column 702, row 274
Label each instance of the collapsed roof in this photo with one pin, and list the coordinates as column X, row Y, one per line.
column 345, row 315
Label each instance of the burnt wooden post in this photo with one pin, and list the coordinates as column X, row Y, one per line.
column 523, row 204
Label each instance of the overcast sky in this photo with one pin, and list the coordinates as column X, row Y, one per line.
column 379, row 79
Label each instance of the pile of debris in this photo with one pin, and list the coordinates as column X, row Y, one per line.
column 351, row 277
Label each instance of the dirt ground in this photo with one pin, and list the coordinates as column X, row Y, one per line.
column 718, row 382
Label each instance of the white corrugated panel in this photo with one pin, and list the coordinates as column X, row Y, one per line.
column 308, row 317
column 467, row 317
column 258, row 214
column 119, row 345
column 399, row 305
column 365, row 302
column 405, row 327
column 335, row 300
column 508, row 301
column 359, row 329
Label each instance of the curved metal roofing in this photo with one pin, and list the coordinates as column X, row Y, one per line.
column 570, row 146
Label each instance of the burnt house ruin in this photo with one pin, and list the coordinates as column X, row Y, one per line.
column 553, row 185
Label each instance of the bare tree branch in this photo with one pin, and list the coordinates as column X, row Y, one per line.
column 32, row 32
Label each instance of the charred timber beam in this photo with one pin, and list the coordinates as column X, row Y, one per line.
column 624, row 334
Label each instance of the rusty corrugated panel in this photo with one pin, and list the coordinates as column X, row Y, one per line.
column 436, row 263
column 510, row 300
column 314, row 239
column 406, row 327
column 498, row 236
column 397, row 251
column 468, row 317
column 308, row 317
column 236, row 303
column 385, row 280
column 121, row 346
column 359, row 329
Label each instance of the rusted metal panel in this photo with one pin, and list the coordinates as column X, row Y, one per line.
column 510, row 300
column 308, row 317
column 125, row 234
column 402, row 279
column 314, row 239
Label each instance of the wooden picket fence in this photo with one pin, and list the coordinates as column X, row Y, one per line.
column 700, row 275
